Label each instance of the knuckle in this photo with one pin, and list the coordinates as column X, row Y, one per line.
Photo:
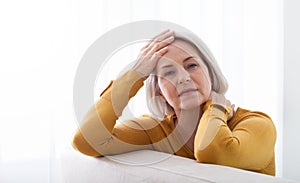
column 156, row 54
column 157, row 45
column 144, row 51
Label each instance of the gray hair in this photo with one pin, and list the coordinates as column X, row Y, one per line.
column 160, row 109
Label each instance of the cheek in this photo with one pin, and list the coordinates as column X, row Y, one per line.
column 207, row 84
column 164, row 86
column 204, row 83
column 167, row 88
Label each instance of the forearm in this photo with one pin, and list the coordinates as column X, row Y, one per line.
column 96, row 129
column 249, row 145
column 212, row 121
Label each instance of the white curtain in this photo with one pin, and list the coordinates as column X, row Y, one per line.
column 42, row 43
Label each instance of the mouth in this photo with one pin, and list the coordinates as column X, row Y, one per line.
column 187, row 91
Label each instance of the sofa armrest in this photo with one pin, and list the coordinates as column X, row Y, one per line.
column 152, row 166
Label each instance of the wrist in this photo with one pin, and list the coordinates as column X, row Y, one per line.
column 220, row 107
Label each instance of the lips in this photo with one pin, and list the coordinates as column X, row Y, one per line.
column 184, row 92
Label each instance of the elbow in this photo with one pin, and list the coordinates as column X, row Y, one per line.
column 80, row 144
column 213, row 154
column 205, row 156
column 198, row 157
column 206, row 151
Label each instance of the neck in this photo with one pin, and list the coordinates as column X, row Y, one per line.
column 188, row 117
column 187, row 124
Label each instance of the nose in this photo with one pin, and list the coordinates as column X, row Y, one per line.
column 183, row 76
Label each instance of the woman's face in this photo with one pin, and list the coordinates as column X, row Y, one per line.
column 183, row 78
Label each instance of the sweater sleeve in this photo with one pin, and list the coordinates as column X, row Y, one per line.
column 98, row 133
column 249, row 145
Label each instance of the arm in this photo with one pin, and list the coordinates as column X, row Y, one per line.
column 249, row 145
column 97, row 134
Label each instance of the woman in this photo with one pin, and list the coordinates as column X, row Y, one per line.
column 191, row 116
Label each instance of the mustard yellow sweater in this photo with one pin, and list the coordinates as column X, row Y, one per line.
column 246, row 141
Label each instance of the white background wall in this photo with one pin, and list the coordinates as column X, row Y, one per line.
column 291, row 123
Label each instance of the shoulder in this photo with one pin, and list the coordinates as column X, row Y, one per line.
column 245, row 113
column 257, row 125
column 252, row 119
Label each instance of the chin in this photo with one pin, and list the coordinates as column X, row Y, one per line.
column 188, row 105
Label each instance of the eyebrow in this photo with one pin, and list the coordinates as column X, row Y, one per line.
column 186, row 59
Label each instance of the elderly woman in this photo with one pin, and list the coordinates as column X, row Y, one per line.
column 191, row 116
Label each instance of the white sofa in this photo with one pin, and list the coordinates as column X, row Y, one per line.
column 152, row 166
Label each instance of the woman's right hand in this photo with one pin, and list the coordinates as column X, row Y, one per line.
column 152, row 52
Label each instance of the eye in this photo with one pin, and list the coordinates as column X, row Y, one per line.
column 169, row 73
column 192, row 66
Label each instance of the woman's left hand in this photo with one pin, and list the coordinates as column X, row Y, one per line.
column 217, row 98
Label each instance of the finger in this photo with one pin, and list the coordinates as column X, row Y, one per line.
column 150, row 50
column 228, row 103
column 167, row 31
column 162, row 33
column 160, row 45
column 159, row 54
column 233, row 106
column 160, row 38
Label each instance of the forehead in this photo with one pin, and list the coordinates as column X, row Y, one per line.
column 181, row 48
column 178, row 51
